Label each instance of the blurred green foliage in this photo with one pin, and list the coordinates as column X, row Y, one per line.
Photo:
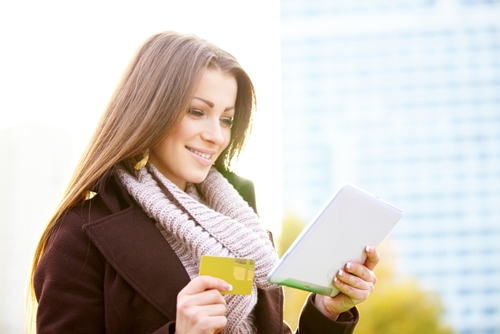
column 395, row 306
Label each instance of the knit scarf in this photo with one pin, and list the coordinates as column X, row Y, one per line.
column 208, row 219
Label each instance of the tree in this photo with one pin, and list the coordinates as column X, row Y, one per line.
column 395, row 306
column 294, row 298
column 400, row 305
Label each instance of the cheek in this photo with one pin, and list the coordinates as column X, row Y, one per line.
column 227, row 138
column 185, row 130
column 159, row 153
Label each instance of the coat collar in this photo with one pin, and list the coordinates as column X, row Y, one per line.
column 132, row 244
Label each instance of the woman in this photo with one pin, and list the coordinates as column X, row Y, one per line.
column 152, row 194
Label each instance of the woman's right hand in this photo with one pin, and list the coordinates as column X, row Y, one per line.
column 200, row 306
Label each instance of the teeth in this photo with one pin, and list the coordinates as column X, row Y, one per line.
column 201, row 154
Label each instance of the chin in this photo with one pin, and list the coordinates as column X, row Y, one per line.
column 198, row 177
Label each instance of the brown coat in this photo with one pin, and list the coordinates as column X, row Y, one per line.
column 108, row 269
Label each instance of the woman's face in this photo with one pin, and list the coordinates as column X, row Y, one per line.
column 187, row 154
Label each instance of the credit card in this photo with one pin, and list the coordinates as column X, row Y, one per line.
column 238, row 272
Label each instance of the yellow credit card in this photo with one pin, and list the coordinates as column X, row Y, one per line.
column 238, row 272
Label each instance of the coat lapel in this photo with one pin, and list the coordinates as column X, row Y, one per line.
column 136, row 249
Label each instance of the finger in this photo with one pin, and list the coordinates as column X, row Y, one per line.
column 360, row 271
column 355, row 281
column 207, row 324
column 353, row 287
column 218, row 323
column 208, row 297
column 215, row 310
column 203, row 283
column 197, row 312
column 355, row 294
column 196, row 308
column 373, row 257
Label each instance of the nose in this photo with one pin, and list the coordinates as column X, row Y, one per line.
column 213, row 132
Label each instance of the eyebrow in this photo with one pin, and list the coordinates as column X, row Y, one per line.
column 210, row 104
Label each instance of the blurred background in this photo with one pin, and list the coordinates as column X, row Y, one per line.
column 399, row 97
column 402, row 98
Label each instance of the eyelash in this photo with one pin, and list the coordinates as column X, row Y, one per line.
column 195, row 112
column 226, row 121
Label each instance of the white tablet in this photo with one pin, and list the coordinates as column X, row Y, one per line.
column 350, row 221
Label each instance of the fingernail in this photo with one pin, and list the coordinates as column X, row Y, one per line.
column 228, row 287
column 335, row 279
column 341, row 272
column 349, row 265
column 369, row 249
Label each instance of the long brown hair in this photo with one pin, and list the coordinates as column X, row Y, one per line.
column 148, row 103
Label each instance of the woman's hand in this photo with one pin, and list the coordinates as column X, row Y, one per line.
column 355, row 283
column 201, row 307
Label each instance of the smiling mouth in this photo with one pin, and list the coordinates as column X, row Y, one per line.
column 201, row 154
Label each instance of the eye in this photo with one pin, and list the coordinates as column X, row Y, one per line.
column 227, row 121
column 195, row 112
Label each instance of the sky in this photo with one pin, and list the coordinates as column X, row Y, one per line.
column 61, row 60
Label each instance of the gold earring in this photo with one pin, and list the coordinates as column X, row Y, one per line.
column 89, row 194
column 139, row 164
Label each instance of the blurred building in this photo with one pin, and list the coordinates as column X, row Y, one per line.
column 402, row 98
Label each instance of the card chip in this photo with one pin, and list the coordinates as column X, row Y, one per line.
column 239, row 272
column 250, row 274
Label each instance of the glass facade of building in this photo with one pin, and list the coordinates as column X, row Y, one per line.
column 402, row 98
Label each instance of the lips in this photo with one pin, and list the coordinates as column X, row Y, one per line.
column 201, row 154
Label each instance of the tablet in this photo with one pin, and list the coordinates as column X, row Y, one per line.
column 349, row 222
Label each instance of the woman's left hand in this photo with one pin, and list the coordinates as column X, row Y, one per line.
column 355, row 283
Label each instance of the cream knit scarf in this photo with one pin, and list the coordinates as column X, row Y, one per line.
column 218, row 223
